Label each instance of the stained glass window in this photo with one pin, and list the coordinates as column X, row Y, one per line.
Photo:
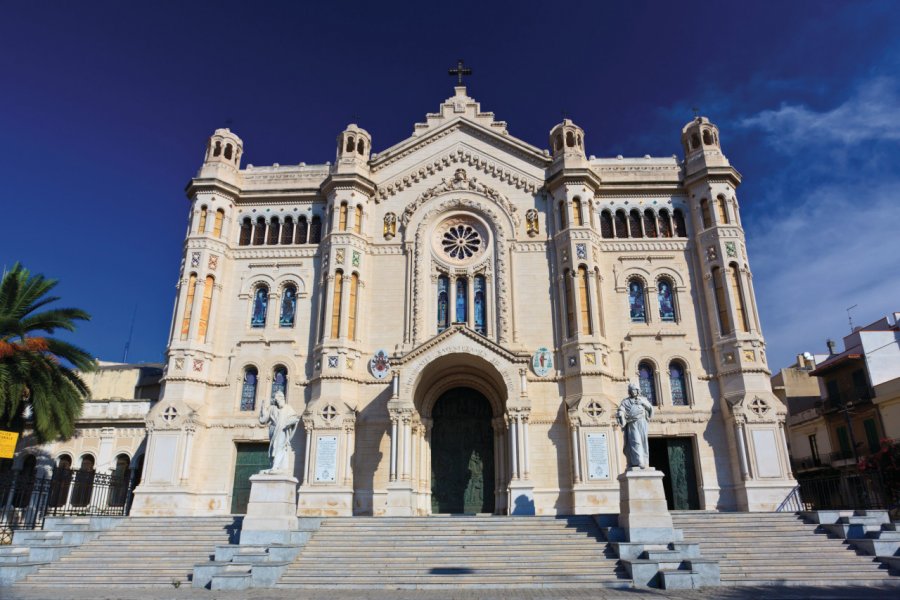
column 648, row 384
column 636, row 301
column 279, row 381
column 462, row 315
column 443, row 303
column 260, row 307
column 201, row 227
column 480, row 305
column 678, row 384
column 248, row 391
column 288, row 306
column 666, row 297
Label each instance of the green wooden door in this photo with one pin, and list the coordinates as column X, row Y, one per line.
column 462, row 453
column 674, row 456
column 251, row 459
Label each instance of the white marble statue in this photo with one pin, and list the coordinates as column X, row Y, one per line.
column 633, row 414
column 282, row 420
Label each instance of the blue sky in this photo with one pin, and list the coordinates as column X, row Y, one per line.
column 105, row 108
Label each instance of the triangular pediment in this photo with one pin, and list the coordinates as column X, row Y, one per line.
column 461, row 113
column 461, row 337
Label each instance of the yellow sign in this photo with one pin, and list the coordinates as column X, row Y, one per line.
column 8, row 443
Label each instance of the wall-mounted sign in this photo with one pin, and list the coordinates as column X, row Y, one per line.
column 598, row 456
column 326, row 458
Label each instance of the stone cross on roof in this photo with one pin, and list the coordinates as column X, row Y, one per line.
column 460, row 71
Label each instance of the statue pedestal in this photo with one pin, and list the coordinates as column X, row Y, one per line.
column 643, row 513
column 272, row 510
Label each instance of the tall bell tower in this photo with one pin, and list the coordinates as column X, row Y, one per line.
column 753, row 415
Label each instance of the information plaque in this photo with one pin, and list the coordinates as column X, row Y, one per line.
column 597, row 456
column 326, row 458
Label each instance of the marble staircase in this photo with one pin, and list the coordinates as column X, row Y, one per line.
column 777, row 548
column 141, row 551
column 456, row 552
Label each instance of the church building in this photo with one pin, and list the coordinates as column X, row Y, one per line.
column 456, row 318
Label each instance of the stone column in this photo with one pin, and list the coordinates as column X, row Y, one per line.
column 742, row 449
column 514, row 455
column 328, row 307
column 784, row 445
column 196, row 308
column 350, row 435
column 526, row 447
column 576, row 451
column 307, row 429
column 451, row 298
column 592, row 299
column 344, row 323
column 393, row 471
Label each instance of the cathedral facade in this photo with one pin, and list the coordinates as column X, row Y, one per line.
column 456, row 319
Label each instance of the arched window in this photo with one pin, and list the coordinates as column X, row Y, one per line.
column 680, row 229
column 61, row 482
column 120, row 481
column 722, row 209
column 576, row 212
column 666, row 295
column 621, row 224
column 201, row 224
column 350, row 143
column 606, row 225
column 279, row 381
column 721, row 306
column 584, row 301
column 678, row 383
column 704, row 213
column 218, row 149
column 259, row 233
column 462, row 300
column 650, row 223
column 188, row 306
column 302, row 230
column 357, row 219
column 260, row 306
column 480, row 305
column 695, row 141
column 637, row 310
column 246, row 232
column 217, row 224
column 360, row 147
column 205, row 307
column 274, row 230
column 336, row 304
column 84, row 482
column 562, row 215
column 647, row 380
column 737, row 292
column 287, row 231
column 351, row 310
column 342, row 222
column 559, row 141
column 665, row 224
column 707, row 138
column 443, row 303
column 288, row 306
column 570, row 139
column 228, row 151
column 248, row 390
column 315, row 230
column 634, row 223
column 569, row 281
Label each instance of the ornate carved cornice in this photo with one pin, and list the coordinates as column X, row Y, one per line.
column 460, row 183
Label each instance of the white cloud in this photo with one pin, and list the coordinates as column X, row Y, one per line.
column 838, row 247
column 871, row 114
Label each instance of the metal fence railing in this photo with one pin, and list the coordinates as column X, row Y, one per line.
column 27, row 498
column 862, row 490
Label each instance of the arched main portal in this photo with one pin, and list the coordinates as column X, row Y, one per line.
column 462, row 453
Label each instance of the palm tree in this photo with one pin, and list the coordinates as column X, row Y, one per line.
column 39, row 374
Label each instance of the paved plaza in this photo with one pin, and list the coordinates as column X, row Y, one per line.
column 182, row 593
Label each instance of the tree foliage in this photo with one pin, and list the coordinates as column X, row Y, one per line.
column 39, row 374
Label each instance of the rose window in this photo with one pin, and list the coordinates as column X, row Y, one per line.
column 461, row 242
